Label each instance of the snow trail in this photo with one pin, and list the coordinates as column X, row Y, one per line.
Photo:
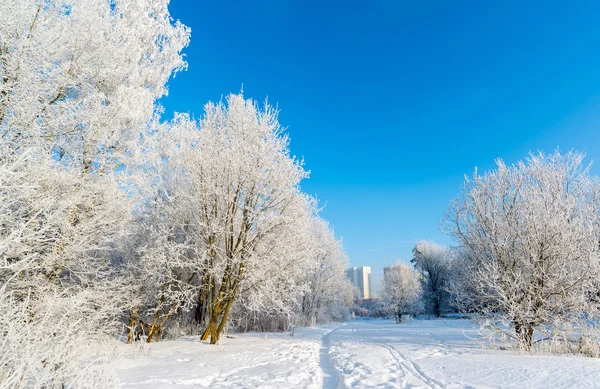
column 331, row 379
column 409, row 367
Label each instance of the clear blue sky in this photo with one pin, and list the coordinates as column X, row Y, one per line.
column 391, row 102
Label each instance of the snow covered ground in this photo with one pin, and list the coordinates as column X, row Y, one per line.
column 360, row 354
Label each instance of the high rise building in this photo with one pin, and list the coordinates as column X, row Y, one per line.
column 360, row 277
column 387, row 269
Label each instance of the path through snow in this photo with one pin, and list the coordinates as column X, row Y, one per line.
column 430, row 354
column 331, row 379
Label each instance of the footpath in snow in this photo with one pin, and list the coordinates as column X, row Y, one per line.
column 360, row 354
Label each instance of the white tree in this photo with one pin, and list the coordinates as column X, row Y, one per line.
column 81, row 77
column 78, row 83
column 56, row 276
column 402, row 291
column 230, row 190
column 328, row 288
column 531, row 234
column 246, row 185
column 433, row 262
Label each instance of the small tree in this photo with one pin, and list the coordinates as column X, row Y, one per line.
column 433, row 262
column 401, row 291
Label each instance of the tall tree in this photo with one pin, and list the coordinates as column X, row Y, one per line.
column 239, row 206
column 78, row 83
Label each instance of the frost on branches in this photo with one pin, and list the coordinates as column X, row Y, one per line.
column 433, row 262
column 114, row 223
column 81, row 77
column 402, row 291
column 78, row 82
column 529, row 237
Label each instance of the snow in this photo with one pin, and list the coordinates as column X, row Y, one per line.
column 441, row 353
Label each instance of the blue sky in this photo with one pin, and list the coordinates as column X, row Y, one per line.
column 391, row 102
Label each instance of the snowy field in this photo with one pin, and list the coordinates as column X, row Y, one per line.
column 361, row 354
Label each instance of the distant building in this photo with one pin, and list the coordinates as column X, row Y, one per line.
column 360, row 277
column 387, row 269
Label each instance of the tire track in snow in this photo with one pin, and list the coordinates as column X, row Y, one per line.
column 408, row 366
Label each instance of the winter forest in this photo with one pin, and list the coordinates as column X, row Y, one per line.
column 124, row 227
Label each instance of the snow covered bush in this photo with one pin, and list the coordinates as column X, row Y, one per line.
column 530, row 234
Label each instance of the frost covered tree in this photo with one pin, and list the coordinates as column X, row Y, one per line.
column 166, row 257
column 81, row 78
column 247, row 189
column 433, row 262
column 328, row 291
column 57, row 246
column 402, row 291
column 78, row 83
column 531, row 232
column 235, row 209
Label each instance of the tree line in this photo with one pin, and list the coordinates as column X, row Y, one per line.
column 117, row 223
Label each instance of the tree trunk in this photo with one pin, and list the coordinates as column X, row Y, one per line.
column 212, row 329
column 200, row 308
column 524, row 333
column 153, row 327
column 157, row 327
column 529, row 336
column 205, row 334
column 224, row 319
column 132, row 326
